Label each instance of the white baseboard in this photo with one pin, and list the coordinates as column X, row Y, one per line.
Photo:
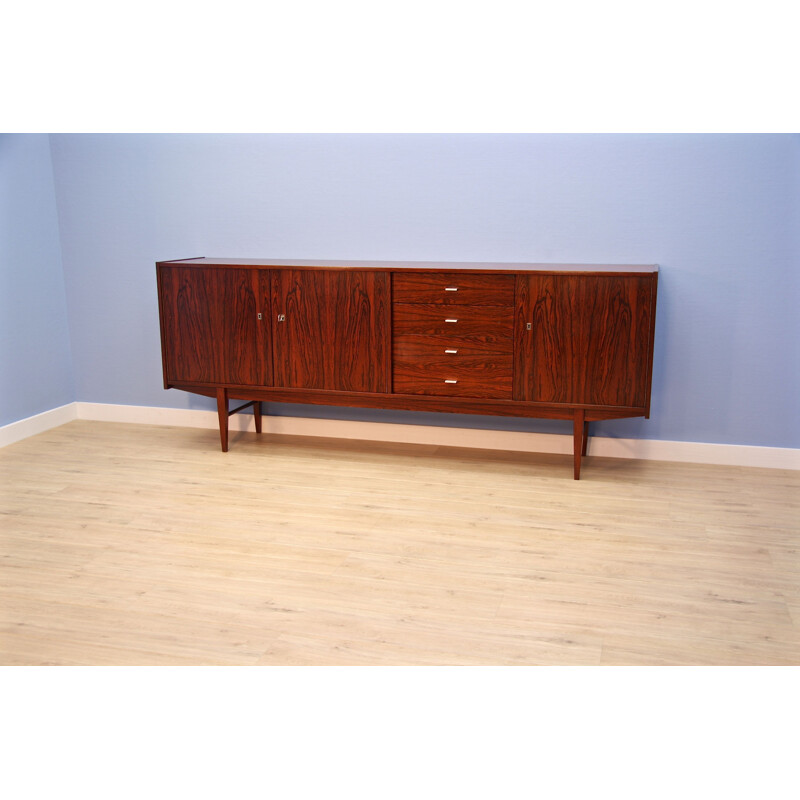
column 650, row 449
column 38, row 423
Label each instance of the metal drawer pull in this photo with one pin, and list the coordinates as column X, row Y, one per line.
column 451, row 288
column 451, row 320
column 450, row 381
column 451, row 351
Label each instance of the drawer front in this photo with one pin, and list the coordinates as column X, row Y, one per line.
column 411, row 347
column 436, row 320
column 489, row 366
column 453, row 288
column 415, row 378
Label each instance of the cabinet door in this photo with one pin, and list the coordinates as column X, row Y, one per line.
column 331, row 330
column 210, row 326
column 589, row 341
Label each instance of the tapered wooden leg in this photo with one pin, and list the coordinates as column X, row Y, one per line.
column 257, row 415
column 585, row 438
column 577, row 436
column 222, row 411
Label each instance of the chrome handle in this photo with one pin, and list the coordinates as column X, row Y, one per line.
column 451, row 320
column 451, row 351
column 450, row 381
column 451, row 288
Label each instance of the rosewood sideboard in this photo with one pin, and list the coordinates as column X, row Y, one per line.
column 558, row 341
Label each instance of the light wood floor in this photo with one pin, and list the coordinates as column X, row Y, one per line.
column 125, row 544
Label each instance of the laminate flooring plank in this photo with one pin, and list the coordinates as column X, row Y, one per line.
column 126, row 544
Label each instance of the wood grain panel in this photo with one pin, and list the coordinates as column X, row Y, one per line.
column 243, row 347
column 546, row 359
column 210, row 327
column 487, row 365
column 336, row 330
column 616, row 334
column 431, row 320
column 300, row 326
column 590, row 339
column 416, row 378
column 361, row 317
column 453, row 288
column 482, row 344
column 187, row 326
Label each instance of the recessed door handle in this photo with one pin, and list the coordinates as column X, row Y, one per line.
column 281, row 317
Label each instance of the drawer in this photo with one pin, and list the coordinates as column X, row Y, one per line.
column 456, row 288
column 436, row 365
column 415, row 378
column 449, row 347
column 435, row 320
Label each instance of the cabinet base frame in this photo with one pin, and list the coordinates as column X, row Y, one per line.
column 580, row 416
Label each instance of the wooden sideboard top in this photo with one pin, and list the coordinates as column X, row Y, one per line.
column 439, row 266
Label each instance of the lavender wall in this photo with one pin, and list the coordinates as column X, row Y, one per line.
column 719, row 213
column 35, row 361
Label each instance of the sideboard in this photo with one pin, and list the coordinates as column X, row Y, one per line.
column 559, row 341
